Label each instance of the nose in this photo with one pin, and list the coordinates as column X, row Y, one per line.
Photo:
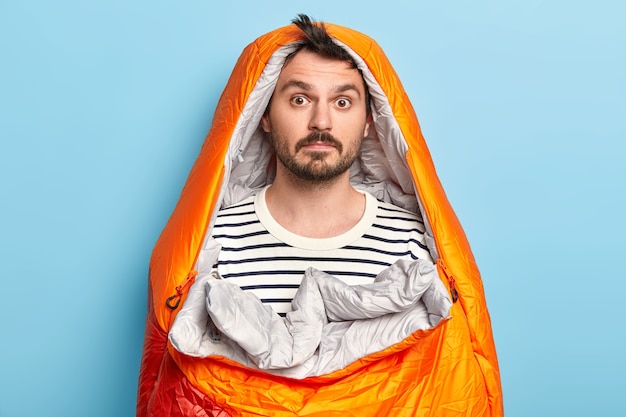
column 321, row 119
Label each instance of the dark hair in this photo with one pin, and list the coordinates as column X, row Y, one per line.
column 317, row 40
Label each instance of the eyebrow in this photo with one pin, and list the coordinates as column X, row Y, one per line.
column 297, row 84
column 308, row 87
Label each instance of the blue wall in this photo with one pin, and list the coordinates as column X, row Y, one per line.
column 104, row 106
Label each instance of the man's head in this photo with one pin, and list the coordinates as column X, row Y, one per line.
column 319, row 112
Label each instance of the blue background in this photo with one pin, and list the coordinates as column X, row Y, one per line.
column 104, row 106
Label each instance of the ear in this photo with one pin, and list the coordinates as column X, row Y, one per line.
column 368, row 123
column 265, row 123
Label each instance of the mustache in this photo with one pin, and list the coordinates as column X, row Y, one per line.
column 317, row 137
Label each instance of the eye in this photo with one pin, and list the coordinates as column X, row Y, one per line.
column 299, row 100
column 343, row 103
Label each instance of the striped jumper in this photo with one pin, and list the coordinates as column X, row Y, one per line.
column 261, row 256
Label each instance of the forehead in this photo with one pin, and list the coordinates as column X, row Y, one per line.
column 319, row 71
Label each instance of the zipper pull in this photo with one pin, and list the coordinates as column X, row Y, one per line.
column 451, row 282
column 239, row 156
column 173, row 301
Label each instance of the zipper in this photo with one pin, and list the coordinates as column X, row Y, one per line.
column 451, row 283
column 174, row 301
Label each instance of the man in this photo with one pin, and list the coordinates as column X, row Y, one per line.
column 315, row 159
column 311, row 215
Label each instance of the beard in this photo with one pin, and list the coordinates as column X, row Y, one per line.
column 317, row 169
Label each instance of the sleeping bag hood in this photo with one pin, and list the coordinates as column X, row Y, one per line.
column 446, row 367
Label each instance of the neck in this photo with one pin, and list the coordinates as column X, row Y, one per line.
column 317, row 210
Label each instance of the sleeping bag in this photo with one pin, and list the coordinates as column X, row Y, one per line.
column 416, row 342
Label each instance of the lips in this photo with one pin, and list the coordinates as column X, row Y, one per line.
column 321, row 139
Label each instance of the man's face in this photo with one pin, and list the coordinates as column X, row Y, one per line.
column 317, row 117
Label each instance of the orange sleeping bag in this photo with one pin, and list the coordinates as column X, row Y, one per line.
column 449, row 370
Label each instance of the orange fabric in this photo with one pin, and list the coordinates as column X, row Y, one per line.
column 448, row 371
